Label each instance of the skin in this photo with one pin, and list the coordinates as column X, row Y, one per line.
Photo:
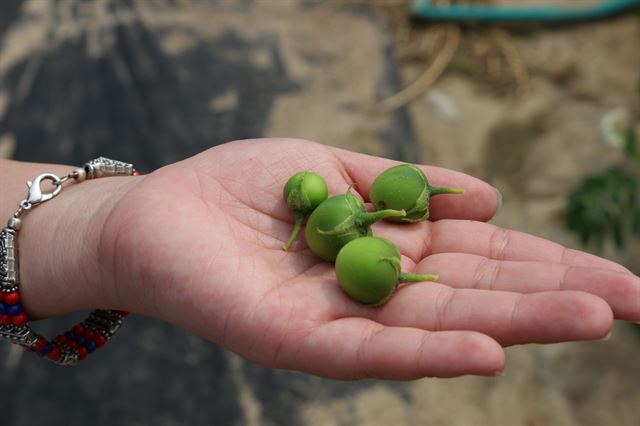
column 198, row 244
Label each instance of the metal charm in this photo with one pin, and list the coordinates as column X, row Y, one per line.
column 68, row 358
column 20, row 335
column 105, row 167
column 105, row 321
column 35, row 195
column 9, row 272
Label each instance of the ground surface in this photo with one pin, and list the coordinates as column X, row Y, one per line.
column 154, row 82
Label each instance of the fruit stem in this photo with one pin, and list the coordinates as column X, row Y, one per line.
column 435, row 190
column 369, row 218
column 296, row 230
column 406, row 277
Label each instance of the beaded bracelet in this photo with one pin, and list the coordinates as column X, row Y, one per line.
column 85, row 337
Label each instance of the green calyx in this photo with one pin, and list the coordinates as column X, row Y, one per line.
column 406, row 277
column 402, row 277
column 406, row 187
column 359, row 220
column 338, row 220
column 304, row 191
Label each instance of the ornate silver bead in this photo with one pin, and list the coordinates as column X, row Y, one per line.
column 20, row 335
column 105, row 167
column 9, row 272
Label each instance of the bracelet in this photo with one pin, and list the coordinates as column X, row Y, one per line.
column 85, row 337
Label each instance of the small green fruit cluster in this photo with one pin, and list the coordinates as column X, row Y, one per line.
column 339, row 228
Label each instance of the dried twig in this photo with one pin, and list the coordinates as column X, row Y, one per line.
column 511, row 54
column 428, row 77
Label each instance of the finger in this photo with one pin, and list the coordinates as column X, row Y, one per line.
column 503, row 244
column 423, row 239
column 479, row 200
column 620, row 290
column 355, row 348
column 462, row 236
column 510, row 318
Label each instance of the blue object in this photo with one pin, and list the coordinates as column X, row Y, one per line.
column 14, row 310
column 425, row 9
column 46, row 350
column 90, row 345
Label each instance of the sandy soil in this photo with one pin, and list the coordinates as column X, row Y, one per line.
column 534, row 143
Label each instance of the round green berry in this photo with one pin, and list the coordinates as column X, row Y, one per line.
column 368, row 270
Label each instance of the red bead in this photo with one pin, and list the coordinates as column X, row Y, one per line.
column 1, row 296
column 136, row 173
column 88, row 334
column 82, row 352
column 5, row 319
column 12, row 298
column 123, row 313
column 60, row 338
column 78, row 330
column 20, row 319
column 40, row 344
column 55, row 353
column 71, row 344
column 100, row 340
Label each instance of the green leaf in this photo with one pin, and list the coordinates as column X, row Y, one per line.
column 605, row 207
column 631, row 144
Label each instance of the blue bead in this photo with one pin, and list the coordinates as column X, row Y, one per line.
column 14, row 309
column 69, row 335
column 2, row 308
column 46, row 349
column 79, row 340
column 90, row 345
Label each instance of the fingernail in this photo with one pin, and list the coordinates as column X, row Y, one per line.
column 499, row 194
column 608, row 336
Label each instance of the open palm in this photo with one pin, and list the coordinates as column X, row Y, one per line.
column 199, row 244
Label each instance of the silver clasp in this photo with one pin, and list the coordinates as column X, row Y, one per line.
column 36, row 195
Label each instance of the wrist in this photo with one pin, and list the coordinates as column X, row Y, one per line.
column 60, row 269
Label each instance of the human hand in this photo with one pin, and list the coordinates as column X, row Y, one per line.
column 199, row 244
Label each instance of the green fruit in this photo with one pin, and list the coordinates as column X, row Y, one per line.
column 368, row 270
column 405, row 187
column 303, row 192
column 338, row 220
